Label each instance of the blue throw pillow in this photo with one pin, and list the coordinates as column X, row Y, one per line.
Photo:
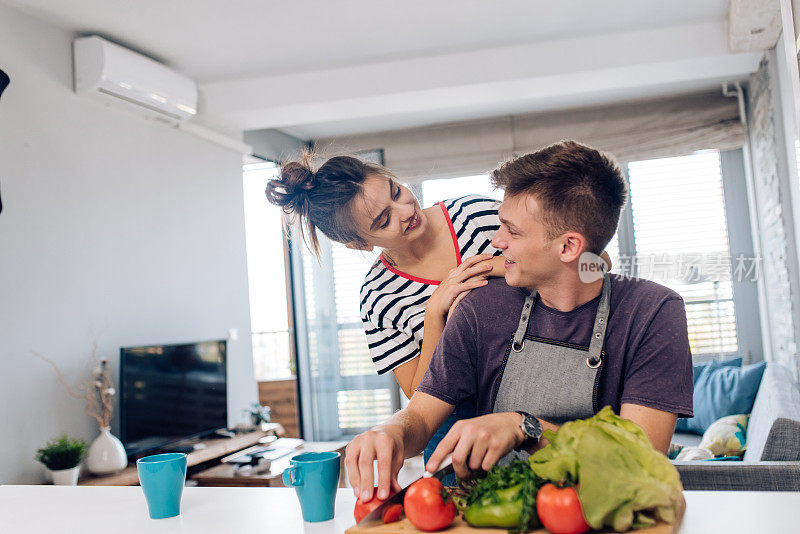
column 698, row 368
column 722, row 388
column 683, row 424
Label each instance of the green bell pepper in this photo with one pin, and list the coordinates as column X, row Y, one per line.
column 505, row 498
column 501, row 511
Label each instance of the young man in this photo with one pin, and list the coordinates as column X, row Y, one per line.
column 550, row 343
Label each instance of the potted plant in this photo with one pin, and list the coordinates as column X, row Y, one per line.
column 106, row 454
column 62, row 457
column 259, row 415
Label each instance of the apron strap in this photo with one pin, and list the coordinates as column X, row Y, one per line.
column 600, row 323
column 527, row 310
column 598, row 331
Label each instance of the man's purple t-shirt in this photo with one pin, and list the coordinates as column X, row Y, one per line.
column 648, row 361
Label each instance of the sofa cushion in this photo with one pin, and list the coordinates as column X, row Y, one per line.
column 694, row 454
column 727, row 436
column 683, row 423
column 698, row 368
column 722, row 389
column 773, row 433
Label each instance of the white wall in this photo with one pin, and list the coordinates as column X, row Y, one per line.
column 773, row 173
column 114, row 228
column 787, row 96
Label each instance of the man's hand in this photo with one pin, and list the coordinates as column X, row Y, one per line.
column 406, row 432
column 478, row 443
column 384, row 444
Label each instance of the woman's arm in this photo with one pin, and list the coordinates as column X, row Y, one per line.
column 410, row 374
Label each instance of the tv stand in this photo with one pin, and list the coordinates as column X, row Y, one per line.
column 214, row 449
column 186, row 449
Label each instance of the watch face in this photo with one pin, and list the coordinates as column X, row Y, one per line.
column 532, row 427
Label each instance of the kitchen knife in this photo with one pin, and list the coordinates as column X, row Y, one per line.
column 376, row 516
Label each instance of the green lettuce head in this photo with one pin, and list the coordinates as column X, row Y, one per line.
column 623, row 482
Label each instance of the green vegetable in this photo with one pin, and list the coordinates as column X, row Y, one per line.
column 501, row 509
column 505, row 497
column 622, row 481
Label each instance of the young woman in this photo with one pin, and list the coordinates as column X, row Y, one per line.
column 430, row 257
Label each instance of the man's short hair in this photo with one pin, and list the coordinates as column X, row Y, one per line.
column 578, row 188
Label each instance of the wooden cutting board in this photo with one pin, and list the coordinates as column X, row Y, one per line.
column 460, row 526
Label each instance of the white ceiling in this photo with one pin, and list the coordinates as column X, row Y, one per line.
column 320, row 68
column 213, row 40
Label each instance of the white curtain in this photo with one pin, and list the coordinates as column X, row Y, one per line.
column 635, row 131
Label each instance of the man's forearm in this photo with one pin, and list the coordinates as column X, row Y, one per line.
column 410, row 427
column 653, row 430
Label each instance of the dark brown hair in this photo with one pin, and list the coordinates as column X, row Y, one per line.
column 578, row 188
column 322, row 199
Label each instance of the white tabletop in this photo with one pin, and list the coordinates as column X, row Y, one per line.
column 89, row 510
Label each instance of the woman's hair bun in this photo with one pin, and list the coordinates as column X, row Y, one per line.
column 321, row 199
column 291, row 190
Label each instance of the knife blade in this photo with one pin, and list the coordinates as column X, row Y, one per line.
column 376, row 515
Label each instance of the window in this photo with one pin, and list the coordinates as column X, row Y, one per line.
column 680, row 236
column 267, row 281
column 344, row 394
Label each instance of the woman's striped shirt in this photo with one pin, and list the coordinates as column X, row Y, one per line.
column 393, row 302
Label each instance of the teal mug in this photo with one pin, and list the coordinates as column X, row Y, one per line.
column 315, row 477
column 162, row 477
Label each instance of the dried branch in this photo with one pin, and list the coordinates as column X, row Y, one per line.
column 61, row 379
column 98, row 392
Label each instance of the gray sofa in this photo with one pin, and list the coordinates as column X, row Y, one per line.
column 772, row 459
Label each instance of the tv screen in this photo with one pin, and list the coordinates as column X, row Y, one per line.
column 170, row 393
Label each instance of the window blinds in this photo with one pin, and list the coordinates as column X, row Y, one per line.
column 346, row 395
column 632, row 131
column 681, row 238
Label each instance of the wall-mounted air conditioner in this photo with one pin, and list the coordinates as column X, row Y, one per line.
column 109, row 71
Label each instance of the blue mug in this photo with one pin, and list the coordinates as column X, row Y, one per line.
column 315, row 477
column 162, row 477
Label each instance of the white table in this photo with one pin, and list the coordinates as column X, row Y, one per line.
column 120, row 510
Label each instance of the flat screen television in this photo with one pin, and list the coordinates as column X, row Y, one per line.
column 170, row 393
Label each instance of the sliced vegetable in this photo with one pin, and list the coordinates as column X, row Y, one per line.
column 393, row 513
column 560, row 510
column 364, row 507
column 428, row 505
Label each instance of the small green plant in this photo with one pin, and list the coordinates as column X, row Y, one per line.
column 62, row 453
column 259, row 414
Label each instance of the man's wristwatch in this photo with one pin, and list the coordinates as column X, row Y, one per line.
column 532, row 429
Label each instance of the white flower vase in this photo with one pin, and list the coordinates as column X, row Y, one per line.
column 106, row 454
column 65, row 477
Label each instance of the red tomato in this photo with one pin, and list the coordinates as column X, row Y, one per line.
column 363, row 508
column 428, row 506
column 393, row 513
column 560, row 510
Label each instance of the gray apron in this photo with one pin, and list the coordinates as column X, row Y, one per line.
column 553, row 380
